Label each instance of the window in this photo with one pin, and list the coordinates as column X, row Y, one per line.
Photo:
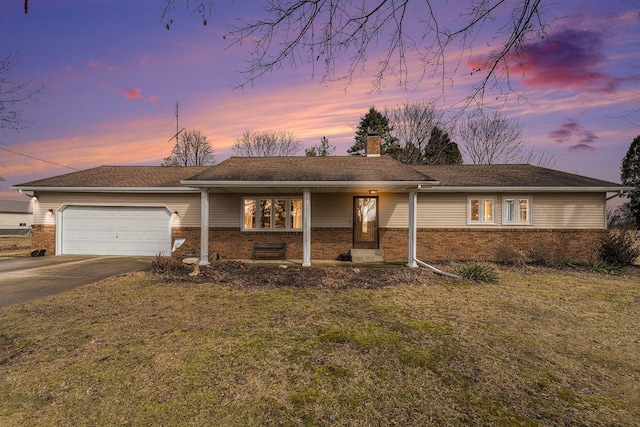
column 481, row 210
column 271, row 213
column 517, row 210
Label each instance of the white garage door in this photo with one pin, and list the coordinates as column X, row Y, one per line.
column 99, row 230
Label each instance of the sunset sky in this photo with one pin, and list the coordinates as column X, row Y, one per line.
column 112, row 74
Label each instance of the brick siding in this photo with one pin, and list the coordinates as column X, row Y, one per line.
column 510, row 245
column 503, row 245
column 43, row 236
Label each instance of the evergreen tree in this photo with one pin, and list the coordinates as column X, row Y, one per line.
column 375, row 122
column 630, row 175
column 440, row 150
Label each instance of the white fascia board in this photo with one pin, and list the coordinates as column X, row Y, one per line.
column 527, row 189
column 304, row 184
column 107, row 189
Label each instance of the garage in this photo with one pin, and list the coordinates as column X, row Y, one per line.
column 115, row 230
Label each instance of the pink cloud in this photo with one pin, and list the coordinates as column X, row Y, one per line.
column 143, row 61
column 567, row 59
column 132, row 93
column 154, row 98
column 96, row 64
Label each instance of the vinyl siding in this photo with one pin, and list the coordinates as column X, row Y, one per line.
column 187, row 205
column 548, row 210
column 12, row 221
column 328, row 210
column 394, row 210
column 333, row 210
column 225, row 210
column 580, row 210
column 436, row 210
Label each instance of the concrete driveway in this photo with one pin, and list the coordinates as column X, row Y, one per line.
column 25, row 279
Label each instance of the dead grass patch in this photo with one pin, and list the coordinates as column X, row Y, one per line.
column 268, row 346
column 15, row 245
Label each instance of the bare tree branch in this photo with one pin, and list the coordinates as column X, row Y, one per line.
column 14, row 95
column 191, row 149
column 269, row 143
column 494, row 139
column 411, row 124
column 197, row 7
column 330, row 31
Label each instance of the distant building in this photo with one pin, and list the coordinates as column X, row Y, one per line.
column 15, row 216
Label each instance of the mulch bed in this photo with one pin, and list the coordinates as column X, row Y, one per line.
column 240, row 274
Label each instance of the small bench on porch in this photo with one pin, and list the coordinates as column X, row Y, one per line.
column 262, row 248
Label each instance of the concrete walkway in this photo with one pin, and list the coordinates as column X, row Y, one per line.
column 25, row 279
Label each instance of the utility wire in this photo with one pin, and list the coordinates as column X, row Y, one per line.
column 36, row 158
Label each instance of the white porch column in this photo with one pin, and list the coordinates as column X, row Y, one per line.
column 306, row 228
column 413, row 211
column 204, row 227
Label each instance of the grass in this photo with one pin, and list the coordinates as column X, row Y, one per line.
column 542, row 347
column 13, row 245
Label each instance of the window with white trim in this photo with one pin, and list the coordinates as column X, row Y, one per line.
column 481, row 210
column 516, row 210
column 271, row 213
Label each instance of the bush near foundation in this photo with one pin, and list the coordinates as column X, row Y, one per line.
column 621, row 246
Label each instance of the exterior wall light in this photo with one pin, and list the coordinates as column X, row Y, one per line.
column 373, row 191
column 50, row 211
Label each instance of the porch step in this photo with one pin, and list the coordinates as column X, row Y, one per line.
column 367, row 255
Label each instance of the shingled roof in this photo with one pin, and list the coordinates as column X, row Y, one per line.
column 322, row 169
column 120, row 177
column 348, row 169
column 508, row 176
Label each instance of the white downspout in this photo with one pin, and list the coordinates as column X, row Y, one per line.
column 413, row 210
column 306, row 228
column 204, row 227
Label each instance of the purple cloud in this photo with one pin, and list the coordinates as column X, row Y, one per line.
column 565, row 131
column 582, row 147
column 588, row 137
column 572, row 129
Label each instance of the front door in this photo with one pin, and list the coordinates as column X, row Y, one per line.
column 365, row 223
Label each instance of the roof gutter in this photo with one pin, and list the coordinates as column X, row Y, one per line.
column 617, row 194
column 305, row 184
column 23, row 193
column 21, row 189
column 496, row 189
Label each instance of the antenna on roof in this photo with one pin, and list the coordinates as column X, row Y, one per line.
column 177, row 131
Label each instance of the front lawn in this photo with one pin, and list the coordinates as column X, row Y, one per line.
column 327, row 346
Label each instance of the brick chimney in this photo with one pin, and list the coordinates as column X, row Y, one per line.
column 372, row 148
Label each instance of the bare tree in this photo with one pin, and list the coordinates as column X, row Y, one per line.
column 14, row 95
column 191, row 149
column 493, row 139
column 268, row 143
column 411, row 124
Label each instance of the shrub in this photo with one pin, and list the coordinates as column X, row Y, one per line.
column 603, row 267
column 478, row 273
column 620, row 247
column 167, row 265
